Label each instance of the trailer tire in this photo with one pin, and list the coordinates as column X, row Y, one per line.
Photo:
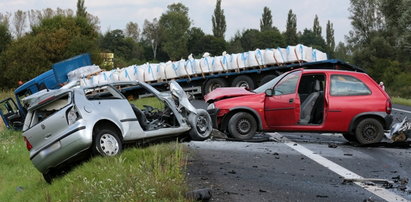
column 267, row 78
column 212, row 84
column 243, row 81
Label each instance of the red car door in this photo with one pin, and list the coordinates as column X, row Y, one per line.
column 283, row 107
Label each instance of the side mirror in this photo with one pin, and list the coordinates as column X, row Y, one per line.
column 269, row 92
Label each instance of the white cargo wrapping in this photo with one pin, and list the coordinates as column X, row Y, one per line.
column 169, row 71
column 82, row 72
column 124, row 74
column 114, row 75
column 242, row 60
column 137, row 73
column 272, row 56
column 278, row 57
column 232, row 61
column 282, row 52
column 318, row 55
column 161, row 71
column 190, row 66
column 217, row 64
column 251, row 59
column 303, row 53
column 150, row 72
column 179, row 68
column 291, row 56
column 86, row 81
column 205, row 64
column 259, row 56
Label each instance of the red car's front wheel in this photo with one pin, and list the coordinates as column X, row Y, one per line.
column 242, row 125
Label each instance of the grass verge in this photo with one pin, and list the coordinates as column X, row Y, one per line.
column 401, row 101
column 155, row 173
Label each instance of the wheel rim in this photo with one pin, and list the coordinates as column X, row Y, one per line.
column 369, row 132
column 202, row 124
column 214, row 86
column 243, row 84
column 244, row 126
column 109, row 145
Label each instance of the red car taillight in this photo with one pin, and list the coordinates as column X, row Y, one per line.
column 388, row 106
column 28, row 145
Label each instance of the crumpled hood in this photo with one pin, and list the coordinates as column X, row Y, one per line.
column 222, row 93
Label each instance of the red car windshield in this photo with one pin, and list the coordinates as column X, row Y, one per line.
column 269, row 84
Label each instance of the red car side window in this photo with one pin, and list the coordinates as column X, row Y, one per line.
column 345, row 85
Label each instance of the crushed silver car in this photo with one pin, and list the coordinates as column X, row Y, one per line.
column 62, row 124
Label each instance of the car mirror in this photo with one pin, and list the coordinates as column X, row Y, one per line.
column 269, row 92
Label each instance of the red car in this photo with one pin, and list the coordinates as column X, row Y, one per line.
column 302, row 100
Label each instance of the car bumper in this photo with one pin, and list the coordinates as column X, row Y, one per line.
column 62, row 149
column 213, row 114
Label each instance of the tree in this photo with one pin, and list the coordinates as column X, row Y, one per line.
column 316, row 26
column 19, row 22
column 196, row 41
column 125, row 49
column 5, row 37
column 132, row 31
column 291, row 29
column 81, row 9
column 52, row 40
column 218, row 20
column 309, row 38
column 266, row 22
column 151, row 33
column 330, row 41
column 174, row 25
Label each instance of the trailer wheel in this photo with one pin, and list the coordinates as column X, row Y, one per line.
column 212, row 84
column 243, row 81
column 267, row 78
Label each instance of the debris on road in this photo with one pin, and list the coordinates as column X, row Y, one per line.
column 199, row 194
column 332, row 145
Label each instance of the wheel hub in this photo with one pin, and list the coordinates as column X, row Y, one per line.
column 109, row 144
column 201, row 124
column 369, row 132
column 244, row 126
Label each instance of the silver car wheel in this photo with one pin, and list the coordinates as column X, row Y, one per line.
column 109, row 144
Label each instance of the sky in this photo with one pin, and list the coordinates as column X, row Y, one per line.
column 240, row 14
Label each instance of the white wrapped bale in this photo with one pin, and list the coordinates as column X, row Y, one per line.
column 205, row 64
column 233, row 62
column 124, row 74
column 303, row 53
column 170, row 73
column 114, row 75
column 317, row 55
column 217, row 65
column 251, row 59
column 82, row 72
column 150, row 72
column 136, row 73
column 291, row 56
column 190, row 65
column 86, row 81
column 242, row 60
column 161, row 71
column 282, row 53
column 225, row 61
column 269, row 56
column 259, row 56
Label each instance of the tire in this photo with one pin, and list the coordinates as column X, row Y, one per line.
column 48, row 177
column 349, row 137
column 242, row 125
column 106, row 143
column 266, row 79
column 212, row 84
column 201, row 126
column 369, row 131
column 243, row 81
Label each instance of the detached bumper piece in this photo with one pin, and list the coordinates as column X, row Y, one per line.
column 213, row 114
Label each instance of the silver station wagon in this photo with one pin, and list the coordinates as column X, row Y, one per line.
column 62, row 124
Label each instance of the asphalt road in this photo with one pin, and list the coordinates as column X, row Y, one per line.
column 302, row 167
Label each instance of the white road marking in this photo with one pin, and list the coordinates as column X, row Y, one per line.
column 343, row 172
column 401, row 110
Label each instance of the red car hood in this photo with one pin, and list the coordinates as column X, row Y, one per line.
column 222, row 93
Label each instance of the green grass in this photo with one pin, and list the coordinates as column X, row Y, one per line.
column 401, row 101
column 151, row 101
column 155, row 173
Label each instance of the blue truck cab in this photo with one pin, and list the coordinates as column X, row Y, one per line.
column 13, row 112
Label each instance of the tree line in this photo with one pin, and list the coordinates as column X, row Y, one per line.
column 375, row 43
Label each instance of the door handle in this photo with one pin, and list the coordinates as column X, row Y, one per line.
column 291, row 100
